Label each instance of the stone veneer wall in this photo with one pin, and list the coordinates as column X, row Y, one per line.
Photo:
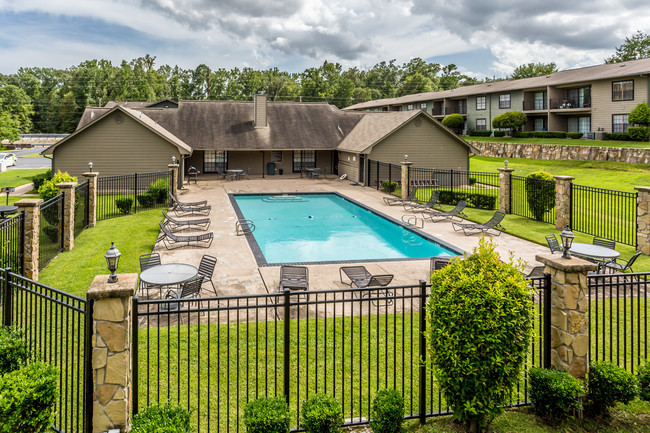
column 557, row 151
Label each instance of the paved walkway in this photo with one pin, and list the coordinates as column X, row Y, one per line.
column 237, row 272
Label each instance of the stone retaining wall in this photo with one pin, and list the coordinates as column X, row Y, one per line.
column 557, row 151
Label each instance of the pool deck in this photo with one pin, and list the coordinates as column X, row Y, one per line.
column 237, row 273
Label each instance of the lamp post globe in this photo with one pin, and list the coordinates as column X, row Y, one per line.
column 112, row 261
column 567, row 237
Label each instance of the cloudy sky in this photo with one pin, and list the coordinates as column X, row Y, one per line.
column 484, row 38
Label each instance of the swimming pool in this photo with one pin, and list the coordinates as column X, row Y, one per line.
column 317, row 228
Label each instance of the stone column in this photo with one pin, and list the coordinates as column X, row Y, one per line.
column 504, row 189
column 68, row 189
column 111, row 354
column 569, row 306
column 643, row 219
column 92, row 199
column 405, row 178
column 32, row 209
column 563, row 201
column 174, row 183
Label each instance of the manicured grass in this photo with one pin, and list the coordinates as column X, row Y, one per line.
column 17, row 177
column 33, row 155
column 74, row 270
column 563, row 141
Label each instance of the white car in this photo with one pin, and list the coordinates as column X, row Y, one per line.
column 9, row 159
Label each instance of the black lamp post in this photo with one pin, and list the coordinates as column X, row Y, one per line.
column 567, row 237
column 112, row 260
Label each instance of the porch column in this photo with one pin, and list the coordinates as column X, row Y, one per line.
column 405, row 177
column 563, row 201
column 68, row 189
column 504, row 189
column 92, row 198
column 643, row 219
column 32, row 209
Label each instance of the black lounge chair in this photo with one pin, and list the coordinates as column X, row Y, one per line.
column 456, row 212
column 553, row 244
column 392, row 201
column 361, row 278
column 294, row 278
column 173, row 241
column 190, row 208
column 537, row 271
column 177, row 225
column 622, row 267
column 430, row 204
column 474, row 228
column 206, row 270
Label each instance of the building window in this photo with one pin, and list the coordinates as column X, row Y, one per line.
column 423, row 106
column 410, row 107
column 579, row 124
column 214, row 160
column 540, row 101
column 481, row 124
column 276, row 156
column 480, row 102
column 539, row 124
column 303, row 159
column 619, row 123
column 623, row 90
column 504, row 100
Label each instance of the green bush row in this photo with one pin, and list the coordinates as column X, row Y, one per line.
column 480, row 133
column 618, row 136
column 476, row 200
column 638, row 133
column 547, row 134
column 498, row 133
column 162, row 419
column 388, row 186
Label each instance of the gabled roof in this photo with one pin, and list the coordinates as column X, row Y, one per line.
column 138, row 116
column 375, row 127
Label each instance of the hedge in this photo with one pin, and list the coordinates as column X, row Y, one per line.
column 479, row 201
column 480, row 133
column 540, row 134
column 618, row 136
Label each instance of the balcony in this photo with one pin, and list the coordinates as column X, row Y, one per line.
column 455, row 110
column 570, row 103
column 535, row 104
column 438, row 111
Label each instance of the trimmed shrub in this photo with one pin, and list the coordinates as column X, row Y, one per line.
column 617, row 136
column 541, row 134
column 38, row 180
column 146, row 200
column 511, row 120
column 14, row 351
column 454, row 122
column 27, row 399
column 479, row 326
column 48, row 188
column 608, row 384
column 159, row 190
column 387, row 412
column 321, row 414
column 554, row 393
column 124, row 205
column 498, row 133
column 479, row 201
column 162, row 419
column 637, row 133
column 640, row 115
column 480, row 133
column 574, row 135
column 267, row 415
column 388, row 186
column 540, row 193
column 643, row 376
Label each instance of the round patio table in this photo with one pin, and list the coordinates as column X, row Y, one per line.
column 594, row 251
column 168, row 274
column 4, row 210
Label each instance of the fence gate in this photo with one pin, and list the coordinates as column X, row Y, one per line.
column 51, row 230
column 12, row 244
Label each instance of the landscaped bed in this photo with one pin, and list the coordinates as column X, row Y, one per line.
column 563, row 141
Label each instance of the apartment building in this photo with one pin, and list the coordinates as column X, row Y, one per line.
column 593, row 100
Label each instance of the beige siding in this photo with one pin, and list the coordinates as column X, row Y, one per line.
column 114, row 149
column 604, row 107
column 349, row 165
column 260, row 111
column 250, row 161
column 426, row 146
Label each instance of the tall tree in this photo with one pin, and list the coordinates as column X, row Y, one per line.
column 534, row 70
column 635, row 47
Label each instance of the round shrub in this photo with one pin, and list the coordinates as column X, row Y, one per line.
column 455, row 122
column 14, row 351
column 574, row 135
column 124, row 205
column 159, row 190
column 608, row 384
column 48, row 188
column 146, row 200
column 267, row 415
column 554, row 393
column 162, row 419
column 511, row 120
column 387, row 186
column 638, row 133
column 640, row 115
column 479, row 325
column 38, row 180
column 321, row 414
column 387, row 412
column 643, row 376
column 540, row 193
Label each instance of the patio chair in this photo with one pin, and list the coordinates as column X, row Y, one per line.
column 622, row 267
column 553, row 244
column 172, row 241
column 190, row 208
column 361, row 278
column 456, row 212
column 493, row 224
column 177, row 225
column 392, row 201
column 222, row 173
column 206, row 270
column 430, row 204
column 315, row 173
column 602, row 242
column 188, row 290
column 294, row 278
column 438, row 263
column 244, row 174
column 148, row 261
column 537, row 271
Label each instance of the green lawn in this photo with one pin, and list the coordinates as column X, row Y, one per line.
column 562, row 141
column 17, row 177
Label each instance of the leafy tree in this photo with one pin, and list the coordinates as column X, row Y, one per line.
column 540, row 193
column 511, row 120
column 534, row 70
column 416, row 83
column 455, row 122
column 9, row 127
column 15, row 102
column 635, row 47
column 640, row 115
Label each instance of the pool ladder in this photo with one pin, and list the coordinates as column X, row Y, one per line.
column 413, row 220
column 244, row 227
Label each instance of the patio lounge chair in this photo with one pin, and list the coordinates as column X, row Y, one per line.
column 190, row 208
column 430, row 204
column 438, row 263
column 474, row 228
column 361, row 278
column 172, row 240
column 391, row 201
column 294, row 278
column 178, row 225
column 456, row 212
column 553, row 244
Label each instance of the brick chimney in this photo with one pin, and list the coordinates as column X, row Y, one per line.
column 259, row 116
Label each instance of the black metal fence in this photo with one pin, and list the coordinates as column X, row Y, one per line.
column 12, row 247
column 50, row 229
column 213, row 355
column 81, row 207
column 532, row 198
column 122, row 195
column 57, row 329
column 384, row 176
column 604, row 212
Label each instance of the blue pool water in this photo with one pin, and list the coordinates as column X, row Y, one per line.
column 326, row 227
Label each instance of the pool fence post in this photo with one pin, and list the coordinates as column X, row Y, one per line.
column 643, row 219
column 173, row 185
column 31, row 244
column 563, row 201
column 68, row 191
column 504, row 189
column 287, row 340
column 406, row 166
column 92, row 197
column 422, row 392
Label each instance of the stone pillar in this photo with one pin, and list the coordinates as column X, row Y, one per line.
column 32, row 209
column 405, row 178
column 643, row 219
column 68, row 189
column 174, row 183
column 92, row 197
column 504, row 189
column 563, row 201
column 111, row 354
column 569, row 306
